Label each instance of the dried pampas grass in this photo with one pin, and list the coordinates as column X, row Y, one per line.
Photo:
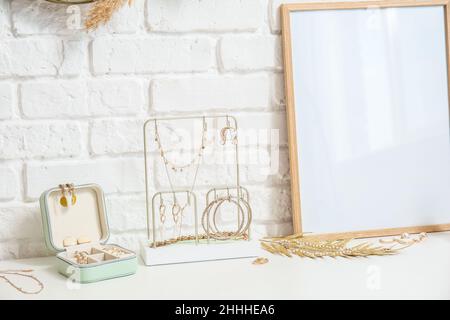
column 102, row 11
column 310, row 247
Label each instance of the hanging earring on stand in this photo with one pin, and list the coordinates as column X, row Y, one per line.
column 162, row 216
column 176, row 210
column 63, row 199
column 162, row 210
column 188, row 204
column 228, row 131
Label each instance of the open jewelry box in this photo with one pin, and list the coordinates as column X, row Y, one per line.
column 83, row 218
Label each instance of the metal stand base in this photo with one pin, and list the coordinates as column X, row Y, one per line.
column 203, row 252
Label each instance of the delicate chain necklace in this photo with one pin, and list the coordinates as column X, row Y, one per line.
column 177, row 210
column 175, row 167
column 3, row 275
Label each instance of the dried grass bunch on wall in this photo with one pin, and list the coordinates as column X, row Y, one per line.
column 102, row 11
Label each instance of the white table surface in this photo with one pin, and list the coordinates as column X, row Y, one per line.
column 419, row 272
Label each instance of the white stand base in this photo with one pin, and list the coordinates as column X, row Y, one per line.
column 190, row 252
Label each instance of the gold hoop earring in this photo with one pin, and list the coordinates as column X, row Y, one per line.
column 63, row 199
column 209, row 218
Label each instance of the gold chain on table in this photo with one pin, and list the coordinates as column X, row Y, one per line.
column 3, row 275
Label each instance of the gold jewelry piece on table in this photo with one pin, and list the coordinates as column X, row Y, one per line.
column 71, row 188
column 63, row 199
column 260, row 260
column 21, row 273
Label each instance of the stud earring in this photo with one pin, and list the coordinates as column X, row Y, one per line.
column 63, row 199
column 71, row 188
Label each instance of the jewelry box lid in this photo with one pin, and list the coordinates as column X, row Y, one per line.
column 82, row 217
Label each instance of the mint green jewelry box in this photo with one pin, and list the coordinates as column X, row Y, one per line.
column 86, row 218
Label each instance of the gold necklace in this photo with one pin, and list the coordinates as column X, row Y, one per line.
column 3, row 275
column 177, row 210
column 175, row 167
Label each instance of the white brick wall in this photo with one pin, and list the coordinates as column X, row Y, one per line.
column 6, row 100
column 30, row 57
column 117, row 136
column 28, row 140
column 81, row 98
column 114, row 175
column 10, row 190
column 72, row 105
column 211, row 92
column 261, row 53
column 209, row 16
column 4, row 18
column 151, row 55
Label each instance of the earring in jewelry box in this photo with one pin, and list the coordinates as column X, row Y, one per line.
column 72, row 193
column 63, row 199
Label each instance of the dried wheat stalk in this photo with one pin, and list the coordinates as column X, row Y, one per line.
column 102, row 11
column 311, row 247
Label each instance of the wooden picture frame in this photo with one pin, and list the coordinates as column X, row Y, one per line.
column 286, row 11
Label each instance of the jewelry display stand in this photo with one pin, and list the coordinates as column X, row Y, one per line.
column 208, row 241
